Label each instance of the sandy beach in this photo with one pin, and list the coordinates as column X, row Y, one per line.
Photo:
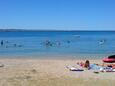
column 44, row 72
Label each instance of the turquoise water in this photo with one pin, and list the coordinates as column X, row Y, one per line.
column 57, row 43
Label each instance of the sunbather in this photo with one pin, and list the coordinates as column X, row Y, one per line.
column 85, row 65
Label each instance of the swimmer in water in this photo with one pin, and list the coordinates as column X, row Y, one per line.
column 2, row 43
column 102, row 42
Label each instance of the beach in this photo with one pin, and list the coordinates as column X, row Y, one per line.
column 57, row 43
column 50, row 72
column 44, row 58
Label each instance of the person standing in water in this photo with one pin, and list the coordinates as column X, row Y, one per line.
column 2, row 43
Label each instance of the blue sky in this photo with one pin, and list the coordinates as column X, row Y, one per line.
column 57, row 14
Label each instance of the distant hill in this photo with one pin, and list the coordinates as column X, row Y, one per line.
column 21, row 30
column 8, row 30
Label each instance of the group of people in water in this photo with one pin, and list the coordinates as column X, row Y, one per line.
column 7, row 44
column 49, row 43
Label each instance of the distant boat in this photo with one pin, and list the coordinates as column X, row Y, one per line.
column 78, row 36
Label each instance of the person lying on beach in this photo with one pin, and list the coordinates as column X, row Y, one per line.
column 85, row 65
column 97, row 67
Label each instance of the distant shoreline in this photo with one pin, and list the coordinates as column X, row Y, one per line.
column 22, row 30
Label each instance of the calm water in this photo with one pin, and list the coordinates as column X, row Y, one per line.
column 57, row 43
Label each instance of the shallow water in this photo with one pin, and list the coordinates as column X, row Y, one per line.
column 92, row 44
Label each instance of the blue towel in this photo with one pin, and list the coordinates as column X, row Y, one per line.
column 95, row 67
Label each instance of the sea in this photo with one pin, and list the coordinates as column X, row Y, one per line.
column 57, row 44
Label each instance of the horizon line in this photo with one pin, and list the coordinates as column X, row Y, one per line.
column 48, row 30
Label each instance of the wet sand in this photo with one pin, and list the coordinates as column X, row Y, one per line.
column 50, row 72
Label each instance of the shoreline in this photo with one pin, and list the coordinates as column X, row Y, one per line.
column 57, row 56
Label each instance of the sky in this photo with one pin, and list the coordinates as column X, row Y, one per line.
column 57, row 14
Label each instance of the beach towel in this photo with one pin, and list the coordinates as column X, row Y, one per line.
column 71, row 68
column 101, row 68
